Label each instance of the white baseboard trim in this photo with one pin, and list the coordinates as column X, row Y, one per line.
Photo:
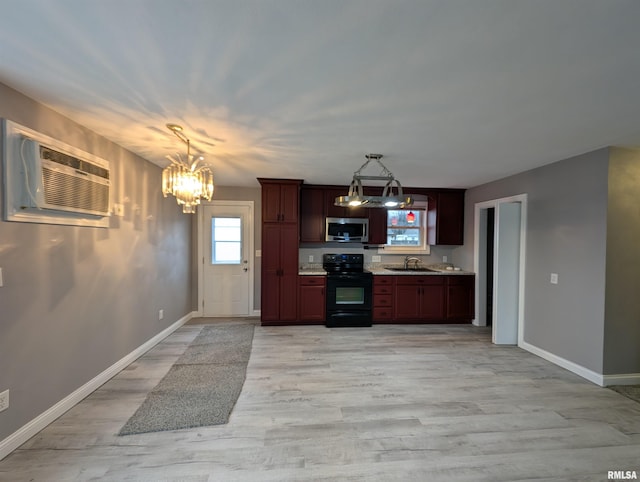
column 622, row 379
column 27, row 431
column 590, row 375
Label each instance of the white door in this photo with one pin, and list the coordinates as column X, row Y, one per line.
column 227, row 268
column 506, row 287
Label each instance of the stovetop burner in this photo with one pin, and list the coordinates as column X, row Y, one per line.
column 343, row 263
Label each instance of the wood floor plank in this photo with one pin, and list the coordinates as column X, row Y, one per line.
column 386, row 403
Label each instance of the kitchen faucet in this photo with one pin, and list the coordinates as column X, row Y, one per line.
column 409, row 259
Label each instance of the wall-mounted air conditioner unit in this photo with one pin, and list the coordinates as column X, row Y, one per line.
column 48, row 181
column 61, row 182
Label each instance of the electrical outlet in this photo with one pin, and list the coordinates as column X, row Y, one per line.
column 376, row 259
column 4, row 400
column 310, row 258
column 553, row 279
column 160, row 314
column 444, row 259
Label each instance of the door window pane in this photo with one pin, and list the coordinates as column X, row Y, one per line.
column 226, row 240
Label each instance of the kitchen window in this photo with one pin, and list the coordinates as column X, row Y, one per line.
column 407, row 230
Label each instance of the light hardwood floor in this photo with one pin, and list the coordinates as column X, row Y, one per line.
column 387, row 403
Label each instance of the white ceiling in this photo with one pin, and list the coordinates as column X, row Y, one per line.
column 454, row 93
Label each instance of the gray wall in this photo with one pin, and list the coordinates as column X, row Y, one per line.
column 75, row 299
column 622, row 308
column 566, row 234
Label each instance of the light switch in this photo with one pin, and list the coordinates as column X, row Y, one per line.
column 118, row 209
column 554, row 278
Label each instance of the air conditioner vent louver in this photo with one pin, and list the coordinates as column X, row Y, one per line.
column 71, row 193
column 70, row 184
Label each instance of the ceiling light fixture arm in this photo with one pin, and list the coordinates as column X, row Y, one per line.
column 177, row 130
column 389, row 198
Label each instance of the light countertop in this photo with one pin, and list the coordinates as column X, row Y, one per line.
column 436, row 272
column 382, row 270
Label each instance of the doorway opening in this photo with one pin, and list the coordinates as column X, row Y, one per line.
column 499, row 258
column 490, row 233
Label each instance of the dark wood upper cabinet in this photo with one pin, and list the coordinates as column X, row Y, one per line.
column 280, row 200
column 330, row 209
column 377, row 225
column 312, row 201
column 445, row 217
column 317, row 204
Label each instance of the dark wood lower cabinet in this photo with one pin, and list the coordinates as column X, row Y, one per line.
column 279, row 273
column 396, row 299
column 419, row 298
column 312, row 299
column 423, row 299
column 460, row 298
column 383, row 294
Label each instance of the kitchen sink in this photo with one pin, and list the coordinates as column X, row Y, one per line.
column 421, row 268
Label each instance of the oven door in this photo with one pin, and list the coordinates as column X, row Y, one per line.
column 349, row 299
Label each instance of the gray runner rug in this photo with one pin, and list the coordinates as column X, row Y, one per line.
column 202, row 387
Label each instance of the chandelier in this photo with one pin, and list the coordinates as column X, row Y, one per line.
column 392, row 195
column 184, row 179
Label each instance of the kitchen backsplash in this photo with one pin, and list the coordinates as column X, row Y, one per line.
column 312, row 257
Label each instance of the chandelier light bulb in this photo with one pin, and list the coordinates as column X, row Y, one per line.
column 184, row 179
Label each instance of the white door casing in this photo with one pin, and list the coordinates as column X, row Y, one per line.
column 509, row 274
column 226, row 285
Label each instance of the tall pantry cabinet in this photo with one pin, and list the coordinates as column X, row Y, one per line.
column 280, row 233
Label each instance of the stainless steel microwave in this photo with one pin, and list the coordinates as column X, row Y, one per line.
column 347, row 230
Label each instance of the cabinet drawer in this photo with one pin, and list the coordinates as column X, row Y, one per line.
column 460, row 280
column 382, row 314
column 382, row 280
column 382, row 300
column 311, row 280
column 417, row 280
column 383, row 290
